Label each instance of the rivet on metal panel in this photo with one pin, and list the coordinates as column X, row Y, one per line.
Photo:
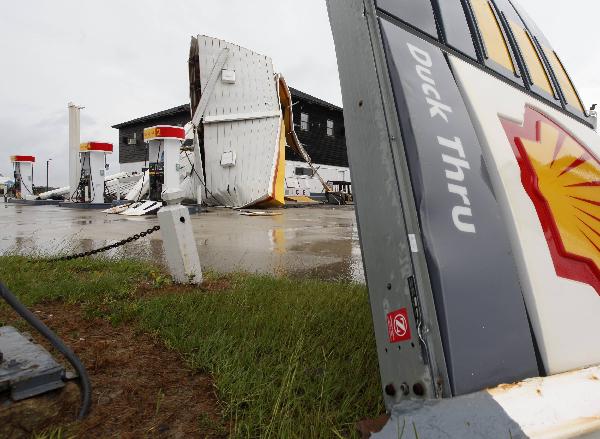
column 405, row 389
column 419, row 389
column 390, row 390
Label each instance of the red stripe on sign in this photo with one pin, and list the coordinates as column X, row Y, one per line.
column 97, row 146
column 164, row 132
column 22, row 158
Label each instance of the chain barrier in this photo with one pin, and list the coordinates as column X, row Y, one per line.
column 108, row 247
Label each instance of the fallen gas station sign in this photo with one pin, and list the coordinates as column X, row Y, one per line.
column 476, row 176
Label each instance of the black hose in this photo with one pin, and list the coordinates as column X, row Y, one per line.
column 84, row 380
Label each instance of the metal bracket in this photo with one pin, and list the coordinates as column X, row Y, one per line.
column 26, row 368
column 210, row 86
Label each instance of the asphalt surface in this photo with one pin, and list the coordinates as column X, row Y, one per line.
column 317, row 241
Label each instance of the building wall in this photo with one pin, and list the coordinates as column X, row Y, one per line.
column 323, row 149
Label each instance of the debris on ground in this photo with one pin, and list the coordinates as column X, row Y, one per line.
column 140, row 388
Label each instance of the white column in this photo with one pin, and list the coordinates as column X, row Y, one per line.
column 74, row 142
column 198, row 169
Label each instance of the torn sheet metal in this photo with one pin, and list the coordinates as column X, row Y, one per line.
column 560, row 406
column 240, row 115
column 145, row 208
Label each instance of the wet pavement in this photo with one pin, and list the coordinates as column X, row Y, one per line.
column 317, row 242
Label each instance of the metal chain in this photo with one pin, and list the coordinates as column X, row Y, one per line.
column 108, row 247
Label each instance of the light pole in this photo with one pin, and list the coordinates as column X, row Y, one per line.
column 47, row 165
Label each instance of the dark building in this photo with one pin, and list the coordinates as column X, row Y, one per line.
column 319, row 125
column 132, row 148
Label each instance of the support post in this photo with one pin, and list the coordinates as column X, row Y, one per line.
column 74, row 142
column 47, row 166
column 175, row 224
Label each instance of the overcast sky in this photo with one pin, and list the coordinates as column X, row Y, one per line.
column 127, row 58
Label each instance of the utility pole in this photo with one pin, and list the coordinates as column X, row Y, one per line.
column 47, row 165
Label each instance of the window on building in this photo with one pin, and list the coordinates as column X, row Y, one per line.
column 304, row 121
column 132, row 140
column 330, row 128
column 563, row 79
column 304, row 171
column 532, row 59
column 491, row 33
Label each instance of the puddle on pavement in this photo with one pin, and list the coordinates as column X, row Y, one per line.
column 301, row 245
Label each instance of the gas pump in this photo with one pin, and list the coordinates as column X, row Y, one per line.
column 156, row 171
column 164, row 143
column 23, row 173
column 92, row 157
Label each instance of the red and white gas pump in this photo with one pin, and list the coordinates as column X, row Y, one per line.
column 92, row 157
column 23, row 173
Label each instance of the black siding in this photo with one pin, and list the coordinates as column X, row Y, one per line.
column 138, row 152
column 323, row 149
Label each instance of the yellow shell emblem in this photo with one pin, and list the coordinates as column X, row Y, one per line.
column 562, row 178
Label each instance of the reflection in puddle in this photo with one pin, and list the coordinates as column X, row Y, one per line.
column 147, row 250
column 328, row 260
column 299, row 243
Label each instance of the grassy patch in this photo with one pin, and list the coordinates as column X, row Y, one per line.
column 290, row 358
column 86, row 281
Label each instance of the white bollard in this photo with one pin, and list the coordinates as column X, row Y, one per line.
column 179, row 243
column 175, row 224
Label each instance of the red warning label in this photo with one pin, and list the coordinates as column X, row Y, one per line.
column 397, row 323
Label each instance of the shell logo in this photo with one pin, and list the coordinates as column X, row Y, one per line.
column 562, row 178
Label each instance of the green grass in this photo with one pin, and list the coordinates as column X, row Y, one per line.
column 290, row 358
column 83, row 281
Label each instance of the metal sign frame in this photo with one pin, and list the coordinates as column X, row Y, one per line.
column 395, row 264
column 446, row 298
